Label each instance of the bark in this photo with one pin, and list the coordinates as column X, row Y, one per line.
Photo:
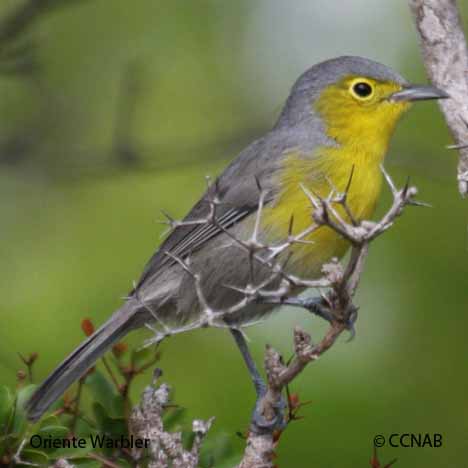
column 445, row 56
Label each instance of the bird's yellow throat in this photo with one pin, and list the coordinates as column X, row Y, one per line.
column 362, row 133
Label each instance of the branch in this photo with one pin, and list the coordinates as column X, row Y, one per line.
column 445, row 56
column 339, row 311
column 165, row 448
column 276, row 285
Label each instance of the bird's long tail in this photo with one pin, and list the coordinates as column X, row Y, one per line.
column 80, row 360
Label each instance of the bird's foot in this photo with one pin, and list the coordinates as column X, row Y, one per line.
column 320, row 307
column 275, row 421
column 349, row 319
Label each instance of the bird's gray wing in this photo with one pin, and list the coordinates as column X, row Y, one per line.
column 238, row 190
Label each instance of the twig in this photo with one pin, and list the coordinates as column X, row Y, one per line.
column 76, row 410
column 165, row 448
column 111, row 373
column 17, row 456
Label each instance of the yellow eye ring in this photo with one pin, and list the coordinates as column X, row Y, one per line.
column 361, row 89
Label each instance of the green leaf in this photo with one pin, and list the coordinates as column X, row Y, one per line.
column 102, row 391
column 100, row 415
column 6, row 407
column 8, row 442
column 74, row 452
column 87, row 463
column 84, row 428
column 19, row 419
column 34, row 456
column 50, row 420
column 107, row 425
column 118, row 407
column 122, row 463
column 53, row 432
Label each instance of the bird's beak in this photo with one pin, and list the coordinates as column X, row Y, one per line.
column 418, row 93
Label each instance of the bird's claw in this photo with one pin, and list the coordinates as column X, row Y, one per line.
column 350, row 321
column 318, row 307
column 277, row 422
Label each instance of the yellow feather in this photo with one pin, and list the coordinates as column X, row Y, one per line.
column 362, row 134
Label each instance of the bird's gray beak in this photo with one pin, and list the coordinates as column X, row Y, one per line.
column 418, row 93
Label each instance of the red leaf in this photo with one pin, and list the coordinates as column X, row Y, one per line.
column 87, row 326
column 294, row 401
column 119, row 349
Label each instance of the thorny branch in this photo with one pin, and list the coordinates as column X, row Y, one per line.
column 445, row 56
column 280, row 287
column 336, row 306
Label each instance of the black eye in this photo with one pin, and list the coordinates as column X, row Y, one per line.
column 362, row 89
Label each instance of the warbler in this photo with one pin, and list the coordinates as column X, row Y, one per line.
column 338, row 119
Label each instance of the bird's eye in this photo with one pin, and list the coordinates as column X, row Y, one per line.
column 362, row 90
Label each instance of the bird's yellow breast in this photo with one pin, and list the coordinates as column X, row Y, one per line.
column 362, row 131
column 329, row 168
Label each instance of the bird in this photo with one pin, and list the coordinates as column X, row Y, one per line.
column 338, row 119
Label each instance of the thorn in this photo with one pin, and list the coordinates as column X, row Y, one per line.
column 291, row 224
column 332, row 187
column 183, row 264
column 217, row 189
column 259, row 185
column 419, row 203
column 326, row 299
column 22, row 358
column 286, row 261
column 233, row 288
column 166, row 231
column 311, row 196
column 406, row 187
column 325, row 215
column 388, row 179
column 302, row 241
column 169, row 218
column 457, row 147
column 161, row 221
column 348, row 185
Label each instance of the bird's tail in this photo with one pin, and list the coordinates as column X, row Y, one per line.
column 80, row 360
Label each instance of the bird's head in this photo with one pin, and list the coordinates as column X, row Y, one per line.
column 357, row 100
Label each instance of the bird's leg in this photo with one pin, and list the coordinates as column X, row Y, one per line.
column 258, row 419
column 315, row 305
column 319, row 307
column 259, row 384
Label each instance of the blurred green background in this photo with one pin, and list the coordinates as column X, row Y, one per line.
column 113, row 110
